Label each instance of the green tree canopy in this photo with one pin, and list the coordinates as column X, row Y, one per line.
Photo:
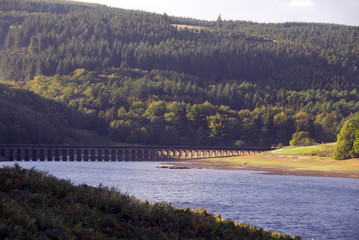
column 348, row 139
column 301, row 139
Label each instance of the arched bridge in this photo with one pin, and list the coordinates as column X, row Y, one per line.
column 116, row 153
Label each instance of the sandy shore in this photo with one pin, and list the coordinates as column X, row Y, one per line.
column 279, row 165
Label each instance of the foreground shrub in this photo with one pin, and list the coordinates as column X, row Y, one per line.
column 34, row 205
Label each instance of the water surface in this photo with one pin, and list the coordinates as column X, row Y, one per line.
column 311, row 207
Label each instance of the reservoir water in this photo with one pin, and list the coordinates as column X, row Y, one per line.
column 310, row 207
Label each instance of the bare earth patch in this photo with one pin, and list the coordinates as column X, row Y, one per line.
column 189, row 27
column 278, row 164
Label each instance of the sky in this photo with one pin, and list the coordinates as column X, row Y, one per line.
column 264, row 11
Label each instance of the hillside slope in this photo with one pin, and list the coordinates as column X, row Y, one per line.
column 146, row 80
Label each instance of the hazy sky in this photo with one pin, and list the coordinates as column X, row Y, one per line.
column 324, row 11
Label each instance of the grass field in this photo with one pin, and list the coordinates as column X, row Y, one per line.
column 320, row 150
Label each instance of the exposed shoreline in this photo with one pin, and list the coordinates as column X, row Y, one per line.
column 275, row 164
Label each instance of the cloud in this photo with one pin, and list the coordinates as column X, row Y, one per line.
column 301, row 3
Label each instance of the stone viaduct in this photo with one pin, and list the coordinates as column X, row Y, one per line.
column 10, row 152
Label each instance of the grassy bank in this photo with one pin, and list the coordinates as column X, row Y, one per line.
column 320, row 150
column 304, row 161
column 34, row 205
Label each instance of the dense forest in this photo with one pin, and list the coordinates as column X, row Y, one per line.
column 145, row 78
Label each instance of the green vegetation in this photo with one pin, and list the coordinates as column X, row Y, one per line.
column 319, row 150
column 348, row 139
column 78, row 137
column 143, row 78
column 28, row 118
column 301, row 139
column 34, row 205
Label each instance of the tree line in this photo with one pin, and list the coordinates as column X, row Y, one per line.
column 137, row 106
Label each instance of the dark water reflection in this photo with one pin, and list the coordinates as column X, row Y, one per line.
column 311, row 207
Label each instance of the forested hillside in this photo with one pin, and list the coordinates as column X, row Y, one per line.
column 139, row 78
